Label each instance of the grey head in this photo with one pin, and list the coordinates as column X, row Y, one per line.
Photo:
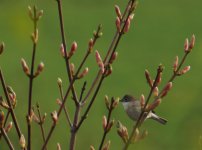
column 127, row 98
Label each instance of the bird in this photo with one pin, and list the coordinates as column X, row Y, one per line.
column 133, row 109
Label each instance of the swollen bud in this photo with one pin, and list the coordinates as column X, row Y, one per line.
column 59, row 81
column 99, row 61
column 54, row 116
column 90, row 45
column 72, row 68
column 175, row 64
column 84, row 73
column 114, row 57
column 104, row 122
column 9, row 127
column 25, row 67
column 192, row 43
column 127, row 26
column 118, row 24
column 22, row 141
column 186, row 45
column 148, row 78
column 153, row 105
column 184, row 70
column 118, row 12
column 40, row 68
column 73, row 49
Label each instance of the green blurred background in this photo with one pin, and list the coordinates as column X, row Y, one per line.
column 156, row 36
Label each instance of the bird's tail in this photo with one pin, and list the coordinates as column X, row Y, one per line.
column 159, row 119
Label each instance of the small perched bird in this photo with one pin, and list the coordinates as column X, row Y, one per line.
column 133, row 108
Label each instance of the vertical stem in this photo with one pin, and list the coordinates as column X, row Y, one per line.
column 65, row 48
column 74, row 128
column 31, row 78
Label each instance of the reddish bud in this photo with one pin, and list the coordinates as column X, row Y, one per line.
column 40, row 68
column 90, row 45
column 159, row 78
column 166, row 89
column 73, row 49
column 185, row 70
column 25, row 67
column 127, row 26
column 118, row 12
column 9, row 127
column 175, row 64
column 186, row 45
column 110, row 125
column 118, row 24
column 114, row 57
column 154, row 105
column 192, row 43
column 122, row 132
column 148, row 77
column 109, row 70
column 99, row 62
column 84, row 73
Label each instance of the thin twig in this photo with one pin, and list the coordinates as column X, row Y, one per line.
column 82, row 91
column 7, row 138
column 41, row 124
column 65, row 109
column 10, row 105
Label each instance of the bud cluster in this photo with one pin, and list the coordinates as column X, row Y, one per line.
column 122, row 132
